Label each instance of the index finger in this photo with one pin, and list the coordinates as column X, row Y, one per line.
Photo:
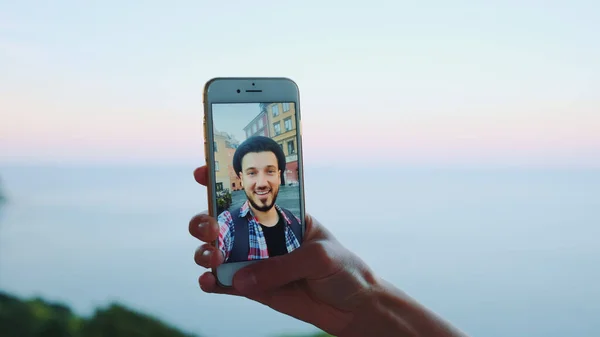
column 204, row 227
column 201, row 175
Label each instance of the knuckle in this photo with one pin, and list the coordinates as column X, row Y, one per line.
column 204, row 227
column 197, row 218
column 194, row 221
column 209, row 232
column 198, row 258
column 198, row 254
column 323, row 253
column 191, row 225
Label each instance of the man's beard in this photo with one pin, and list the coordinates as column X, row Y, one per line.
column 265, row 208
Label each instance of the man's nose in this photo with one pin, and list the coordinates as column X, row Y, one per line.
column 261, row 180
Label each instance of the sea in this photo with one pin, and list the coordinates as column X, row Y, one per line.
column 498, row 252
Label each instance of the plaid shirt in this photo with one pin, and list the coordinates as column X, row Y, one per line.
column 257, row 243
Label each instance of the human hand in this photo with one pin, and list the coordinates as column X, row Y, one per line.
column 321, row 282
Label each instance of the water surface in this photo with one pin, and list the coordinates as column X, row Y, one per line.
column 497, row 252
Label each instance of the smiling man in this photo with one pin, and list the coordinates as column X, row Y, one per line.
column 259, row 228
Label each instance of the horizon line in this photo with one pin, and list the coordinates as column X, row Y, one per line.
column 381, row 165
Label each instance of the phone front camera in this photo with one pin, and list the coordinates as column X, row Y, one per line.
column 238, row 91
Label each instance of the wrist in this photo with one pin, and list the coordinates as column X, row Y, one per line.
column 387, row 311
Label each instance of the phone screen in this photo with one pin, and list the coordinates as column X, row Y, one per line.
column 257, row 179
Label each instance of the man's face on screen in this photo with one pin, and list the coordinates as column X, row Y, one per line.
column 260, row 179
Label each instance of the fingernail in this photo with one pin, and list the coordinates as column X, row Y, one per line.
column 245, row 280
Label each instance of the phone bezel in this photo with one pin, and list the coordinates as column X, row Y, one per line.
column 251, row 90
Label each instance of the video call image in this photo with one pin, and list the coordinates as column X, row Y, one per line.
column 257, row 181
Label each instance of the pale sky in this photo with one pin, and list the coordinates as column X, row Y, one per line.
column 233, row 118
column 437, row 82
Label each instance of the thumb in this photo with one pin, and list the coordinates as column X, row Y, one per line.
column 315, row 259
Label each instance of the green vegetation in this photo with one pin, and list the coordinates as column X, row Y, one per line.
column 39, row 318
column 36, row 317
column 224, row 200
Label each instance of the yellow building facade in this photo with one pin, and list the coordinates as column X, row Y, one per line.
column 223, row 146
column 283, row 129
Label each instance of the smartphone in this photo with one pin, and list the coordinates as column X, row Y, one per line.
column 253, row 151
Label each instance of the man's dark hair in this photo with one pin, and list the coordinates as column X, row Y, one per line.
column 259, row 144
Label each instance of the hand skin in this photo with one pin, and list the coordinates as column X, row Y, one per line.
column 321, row 283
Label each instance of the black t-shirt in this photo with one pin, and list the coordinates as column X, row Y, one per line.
column 275, row 237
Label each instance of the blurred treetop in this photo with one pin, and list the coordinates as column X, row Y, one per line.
column 39, row 318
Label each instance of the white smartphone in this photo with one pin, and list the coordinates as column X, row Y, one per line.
column 253, row 150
